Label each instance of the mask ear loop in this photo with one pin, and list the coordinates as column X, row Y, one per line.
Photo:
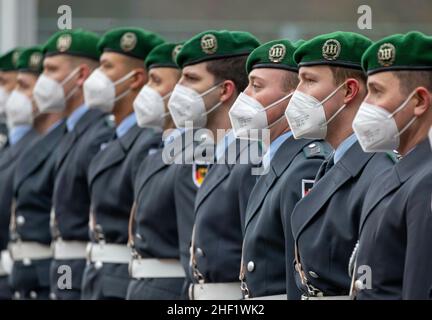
column 67, row 79
column 121, row 80
column 275, row 104
column 166, row 114
column 217, row 105
column 403, row 105
column 337, row 112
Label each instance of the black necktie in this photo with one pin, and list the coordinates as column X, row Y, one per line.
column 325, row 167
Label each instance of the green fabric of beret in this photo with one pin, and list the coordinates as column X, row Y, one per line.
column 411, row 51
column 31, row 60
column 213, row 44
column 342, row 49
column 76, row 42
column 274, row 54
column 163, row 56
column 132, row 42
column 9, row 61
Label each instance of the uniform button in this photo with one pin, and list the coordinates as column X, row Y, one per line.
column 98, row 265
column 251, row 266
column 312, row 145
column 20, row 220
column 52, row 296
column 17, row 295
column 359, row 285
column 199, row 252
column 313, row 275
column 33, row 295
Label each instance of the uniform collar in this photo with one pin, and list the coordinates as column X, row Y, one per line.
column 344, row 146
column 54, row 125
column 17, row 132
column 274, row 146
column 125, row 125
column 75, row 116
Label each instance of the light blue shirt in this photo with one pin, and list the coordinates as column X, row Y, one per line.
column 73, row 119
column 223, row 145
column 125, row 125
column 274, row 146
column 343, row 147
column 17, row 132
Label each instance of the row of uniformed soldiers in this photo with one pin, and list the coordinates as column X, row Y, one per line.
column 103, row 194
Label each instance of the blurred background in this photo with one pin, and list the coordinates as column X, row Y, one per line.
column 28, row 22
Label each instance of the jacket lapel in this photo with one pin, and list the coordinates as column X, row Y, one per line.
column 114, row 153
column 71, row 137
column 401, row 172
column 344, row 170
column 281, row 161
column 11, row 153
column 38, row 154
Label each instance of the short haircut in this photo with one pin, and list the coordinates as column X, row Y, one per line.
column 409, row 80
column 233, row 68
column 341, row 74
column 290, row 81
column 76, row 61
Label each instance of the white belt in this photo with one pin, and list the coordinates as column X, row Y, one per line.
column 29, row 250
column 216, row 291
column 109, row 253
column 327, row 298
column 69, row 250
column 273, row 297
column 5, row 263
column 156, row 268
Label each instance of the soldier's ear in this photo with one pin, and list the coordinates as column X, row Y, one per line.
column 423, row 102
column 352, row 89
column 139, row 79
column 83, row 74
column 228, row 90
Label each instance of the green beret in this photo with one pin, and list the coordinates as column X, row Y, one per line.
column 9, row 61
column 342, row 49
column 411, row 51
column 133, row 42
column 76, row 42
column 163, row 56
column 211, row 45
column 276, row 54
column 31, row 60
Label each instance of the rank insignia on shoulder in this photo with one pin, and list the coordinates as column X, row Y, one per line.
column 306, row 186
column 317, row 149
column 199, row 171
column 394, row 156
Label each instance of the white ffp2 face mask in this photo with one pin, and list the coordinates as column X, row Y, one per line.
column 99, row 90
column 187, row 105
column 149, row 108
column 376, row 129
column 248, row 113
column 306, row 115
column 4, row 96
column 19, row 110
column 49, row 94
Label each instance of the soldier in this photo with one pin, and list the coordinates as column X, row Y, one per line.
column 113, row 88
column 8, row 76
column 155, row 268
column 21, row 135
column 213, row 74
column 325, row 222
column 70, row 57
column 293, row 164
column 33, row 185
column 394, row 259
